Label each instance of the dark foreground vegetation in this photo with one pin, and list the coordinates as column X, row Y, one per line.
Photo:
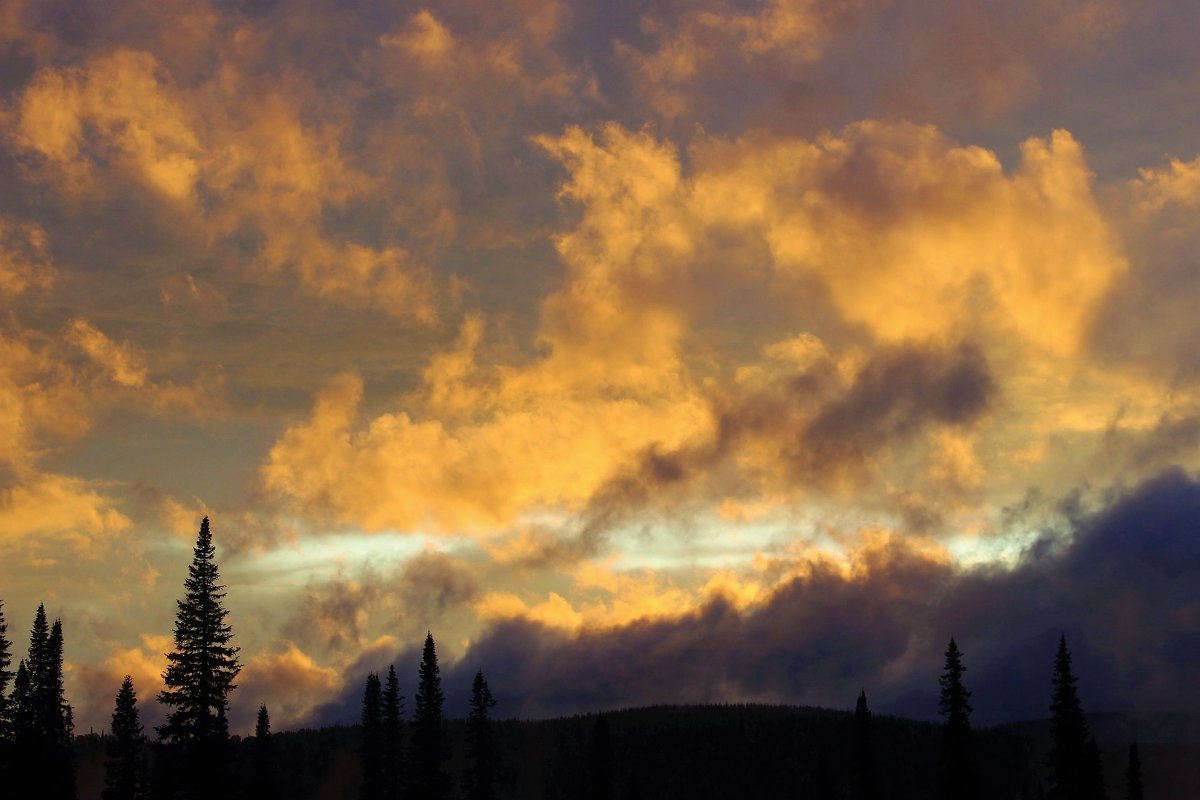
column 722, row 751
column 692, row 752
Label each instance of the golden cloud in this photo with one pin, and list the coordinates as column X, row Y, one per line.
column 289, row 681
column 60, row 509
column 25, row 261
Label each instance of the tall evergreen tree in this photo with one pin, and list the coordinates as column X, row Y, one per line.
column 125, row 766
column 59, row 718
column 429, row 779
column 42, row 720
column 371, row 752
column 6, row 703
column 600, row 761
column 199, row 677
column 958, row 771
column 1073, row 761
column 393, row 735
column 864, row 768
column 23, row 716
column 480, row 777
column 6, row 676
column 1133, row 775
column 262, row 779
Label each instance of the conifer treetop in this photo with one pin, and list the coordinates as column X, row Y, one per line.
column 955, row 702
column 202, row 667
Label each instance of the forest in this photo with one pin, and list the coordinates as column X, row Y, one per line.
column 752, row 751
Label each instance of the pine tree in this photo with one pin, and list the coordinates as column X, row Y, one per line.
column 430, row 781
column 1133, row 775
column 125, row 767
column 600, row 761
column 199, row 677
column 958, row 773
column 6, row 676
column 480, row 776
column 864, row 778
column 6, row 703
column 1073, row 760
column 263, row 777
column 393, row 736
column 372, row 750
column 22, row 708
column 43, row 725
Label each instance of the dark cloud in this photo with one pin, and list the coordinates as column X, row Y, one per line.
column 827, row 433
column 1125, row 590
column 336, row 614
column 898, row 393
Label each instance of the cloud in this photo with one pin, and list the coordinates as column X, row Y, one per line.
column 119, row 110
column 952, row 248
column 120, row 120
column 1122, row 587
column 346, row 613
column 693, row 44
column 25, row 261
column 289, row 681
column 92, row 687
column 41, row 399
column 45, row 511
column 124, row 366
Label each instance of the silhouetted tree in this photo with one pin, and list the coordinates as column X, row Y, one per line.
column 6, row 676
column 1133, row 775
column 262, row 779
column 43, row 721
column 6, row 703
column 125, row 766
column 864, row 778
column 22, row 706
column 429, row 780
column 199, row 677
column 372, row 749
column 480, row 777
column 958, row 772
column 22, row 748
column 600, row 766
column 1094, row 772
column 1073, row 760
column 393, row 735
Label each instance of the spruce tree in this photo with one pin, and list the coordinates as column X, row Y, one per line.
column 480, row 777
column 371, row 751
column 1133, row 775
column 393, row 736
column 6, row 703
column 429, row 780
column 22, row 709
column 125, row 766
column 199, row 677
column 1073, row 760
column 262, row 786
column 958, row 773
column 43, row 725
column 6, row 676
column 864, row 777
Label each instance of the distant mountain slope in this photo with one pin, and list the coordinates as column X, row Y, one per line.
column 742, row 751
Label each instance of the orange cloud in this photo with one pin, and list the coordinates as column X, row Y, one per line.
column 63, row 510
column 25, row 261
column 289, row 681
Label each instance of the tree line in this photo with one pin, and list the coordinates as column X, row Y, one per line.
column 193, row 754
column 1074, row 770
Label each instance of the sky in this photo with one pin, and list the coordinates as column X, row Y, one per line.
column 705, row 351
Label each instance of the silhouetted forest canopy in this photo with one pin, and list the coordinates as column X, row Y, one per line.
column 695, row 752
